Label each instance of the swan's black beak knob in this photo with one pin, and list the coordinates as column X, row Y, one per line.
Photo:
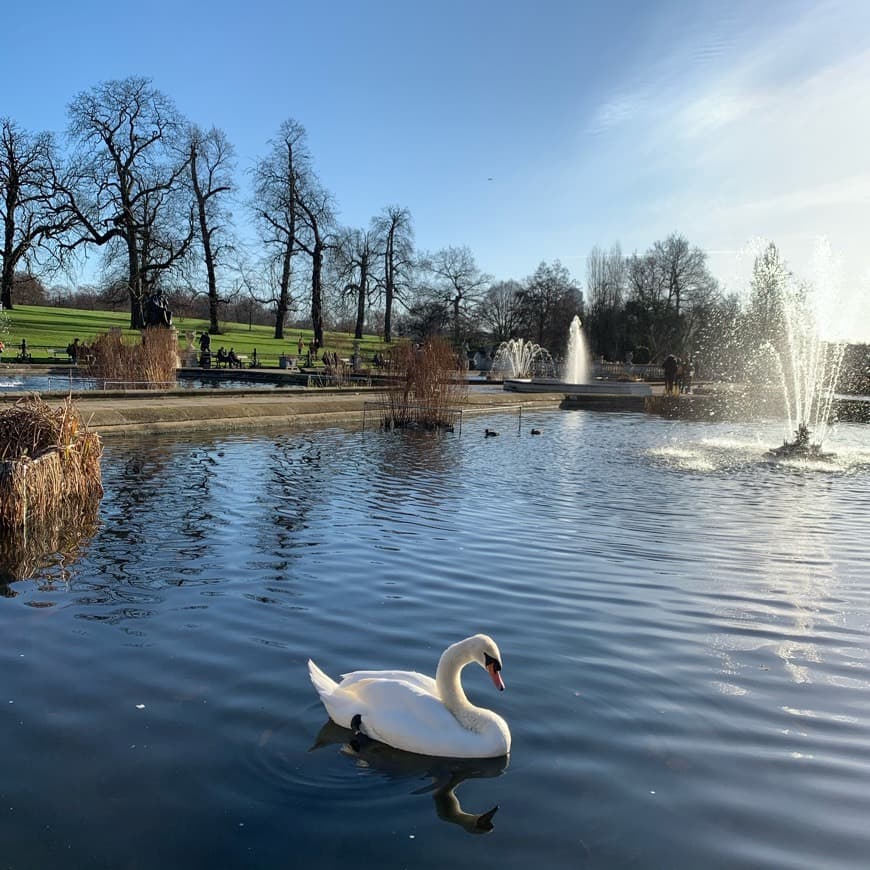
column 493, row 668
column 484, row 820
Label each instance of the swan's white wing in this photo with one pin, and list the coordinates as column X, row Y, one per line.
column 421, row 681
column 402, row 715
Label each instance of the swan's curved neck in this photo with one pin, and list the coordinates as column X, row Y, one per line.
column 448, row 677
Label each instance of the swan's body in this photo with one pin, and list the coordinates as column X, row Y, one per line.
column 413, row 712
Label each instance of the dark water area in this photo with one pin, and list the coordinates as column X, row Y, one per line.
column 685, row 629
column 19, row 383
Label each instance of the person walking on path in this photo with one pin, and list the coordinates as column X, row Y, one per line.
column 670, row 366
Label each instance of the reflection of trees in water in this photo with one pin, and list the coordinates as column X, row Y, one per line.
column 47, row 547
column 163, row 480
column 445, row 774
column 406, row 453
column 158, row 515
column 298, row 486
column 318, row 482
column 410, row 466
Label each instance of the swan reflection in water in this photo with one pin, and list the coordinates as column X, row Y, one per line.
column 447, row 774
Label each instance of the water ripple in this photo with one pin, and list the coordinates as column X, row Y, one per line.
column 684, row 629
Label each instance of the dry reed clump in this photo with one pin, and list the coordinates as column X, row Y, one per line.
column 48, row 459
column 428, row 388
column 150, row 364
column 52, row 541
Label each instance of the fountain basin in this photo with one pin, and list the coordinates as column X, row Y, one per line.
column 599, row 388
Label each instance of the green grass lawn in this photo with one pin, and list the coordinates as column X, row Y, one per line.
column 47, row 329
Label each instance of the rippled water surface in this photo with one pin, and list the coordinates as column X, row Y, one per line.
column 685, row 630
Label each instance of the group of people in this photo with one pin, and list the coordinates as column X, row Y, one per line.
column 313, row 347
column 228, row 358
column 330, row 359
column 678, row 375
column 223, row 357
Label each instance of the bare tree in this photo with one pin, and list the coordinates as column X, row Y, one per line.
column 548, row 302
column 605, row 284
column 684, row 272
column 667, row 286
column 277, row 181
column 457, row 283
column 28, row 207
column 317, row 215
column 355, row 256
column 397, row 245
column 126, row 191
column 211, row 164
column 499, row 310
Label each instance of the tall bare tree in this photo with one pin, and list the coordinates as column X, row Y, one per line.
column 211, row 164
column 126, row 190
column 605, row 285
column 356, row 256
column 499, row 310
column 317, row 235
column 28, row 205
column 548, row 302
column 684, row 272
column 396, row 231
column 277, row 181
column 667, row 286
column 457, row 283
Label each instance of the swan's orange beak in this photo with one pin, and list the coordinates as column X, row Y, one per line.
column 494, row 674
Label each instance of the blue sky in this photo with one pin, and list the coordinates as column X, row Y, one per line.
column 527, row 131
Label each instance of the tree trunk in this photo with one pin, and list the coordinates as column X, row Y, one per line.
column 456, row 330
column 283, row 304
column 8, row 247
column 388, row 314
column 214, row 327
column 317, row 292
column 6, row 281
column 361, row 297
column 388, row 289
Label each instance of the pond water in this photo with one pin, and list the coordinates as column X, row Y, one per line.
column 46, row 383
column 685, row 630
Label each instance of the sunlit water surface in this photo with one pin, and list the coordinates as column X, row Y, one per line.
column 684, row 629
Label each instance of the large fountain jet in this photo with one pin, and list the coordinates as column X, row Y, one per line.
column 577, row 361
column 807, row 368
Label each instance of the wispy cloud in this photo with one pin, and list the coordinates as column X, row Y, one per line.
column 618, row 110
column 852, row 190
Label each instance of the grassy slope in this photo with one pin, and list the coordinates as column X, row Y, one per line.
column 47, row 328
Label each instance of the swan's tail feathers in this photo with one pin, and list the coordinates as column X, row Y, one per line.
column 325, row 685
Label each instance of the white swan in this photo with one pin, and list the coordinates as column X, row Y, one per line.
column 413, row 712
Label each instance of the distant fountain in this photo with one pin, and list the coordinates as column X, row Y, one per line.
column 519, row 359
column 577, row 366
column 528, row 368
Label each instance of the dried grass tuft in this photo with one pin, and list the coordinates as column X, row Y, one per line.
column 48, row 459
column 152, row 363
column 428, row 388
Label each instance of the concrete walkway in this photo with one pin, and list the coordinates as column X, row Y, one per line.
column 236, row 410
